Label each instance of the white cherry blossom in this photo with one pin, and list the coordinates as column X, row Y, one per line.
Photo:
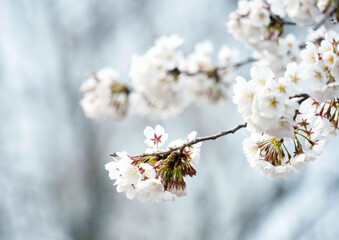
column 155, row 137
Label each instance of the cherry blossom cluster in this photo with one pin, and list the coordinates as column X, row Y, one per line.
column 104, row 95
column 288, row 129
column 205, row 81
column 164, row 82
column 320, row 62
column 304, row 12
column 254, row 24
column 158, row 174
column 290, row 104
column 261, row 24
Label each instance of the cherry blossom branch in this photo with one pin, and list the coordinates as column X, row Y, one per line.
column 195, row 141
column 214, row 71
column 303, row 97
column 242, row 63
column 328, row 14
column 281, row 21
column 164, row 154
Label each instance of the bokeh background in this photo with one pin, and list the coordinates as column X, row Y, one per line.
column 53, row 184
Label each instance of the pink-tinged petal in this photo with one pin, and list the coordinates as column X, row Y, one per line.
column 149, row 132
column 159, row 130
column 149, row 142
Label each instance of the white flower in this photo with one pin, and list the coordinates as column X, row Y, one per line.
column 105, row 96
column 228, row 55
column 297, row 162
column 318, row 146
column 193, row 152
column 330, row 59
column 310, row 54
column 277, row 7
column 293, row 75
column 260, row 17
column 283, row 129
column 316, row 77
column 261, row 76
column 302, row 12
column 271, row 105
column 249, row 23
column 155, row 137
column 251, row 151
column 267, row 169
column 282, row 171
column 325, row 46
column 243, row 94
column 243, row 7
column 126, row 175
column 151, row 188
column 156, row 90
column 149, row 170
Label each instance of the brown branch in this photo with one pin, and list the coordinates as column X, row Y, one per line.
column 303, row 97
column 275, row 18
column 194, row 141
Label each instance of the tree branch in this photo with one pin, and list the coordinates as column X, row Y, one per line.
column 214, row 71
column 164, row 154
column 328, row 14
column 303, row 97
column 281, row 21
column 194, row 141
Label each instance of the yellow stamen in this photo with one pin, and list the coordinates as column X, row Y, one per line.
column 261, row 16
column 295, row 79
column 273, row 102
column 281, row 88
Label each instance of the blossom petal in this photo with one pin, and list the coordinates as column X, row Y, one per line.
column 159, row 130
column 149, row 132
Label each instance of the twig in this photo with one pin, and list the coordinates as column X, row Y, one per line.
column 214, row 71
column 190, row 143
column 240, row 64
column 303, row 97
column 280, row 20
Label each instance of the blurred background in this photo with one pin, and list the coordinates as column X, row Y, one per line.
column 53, row 184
